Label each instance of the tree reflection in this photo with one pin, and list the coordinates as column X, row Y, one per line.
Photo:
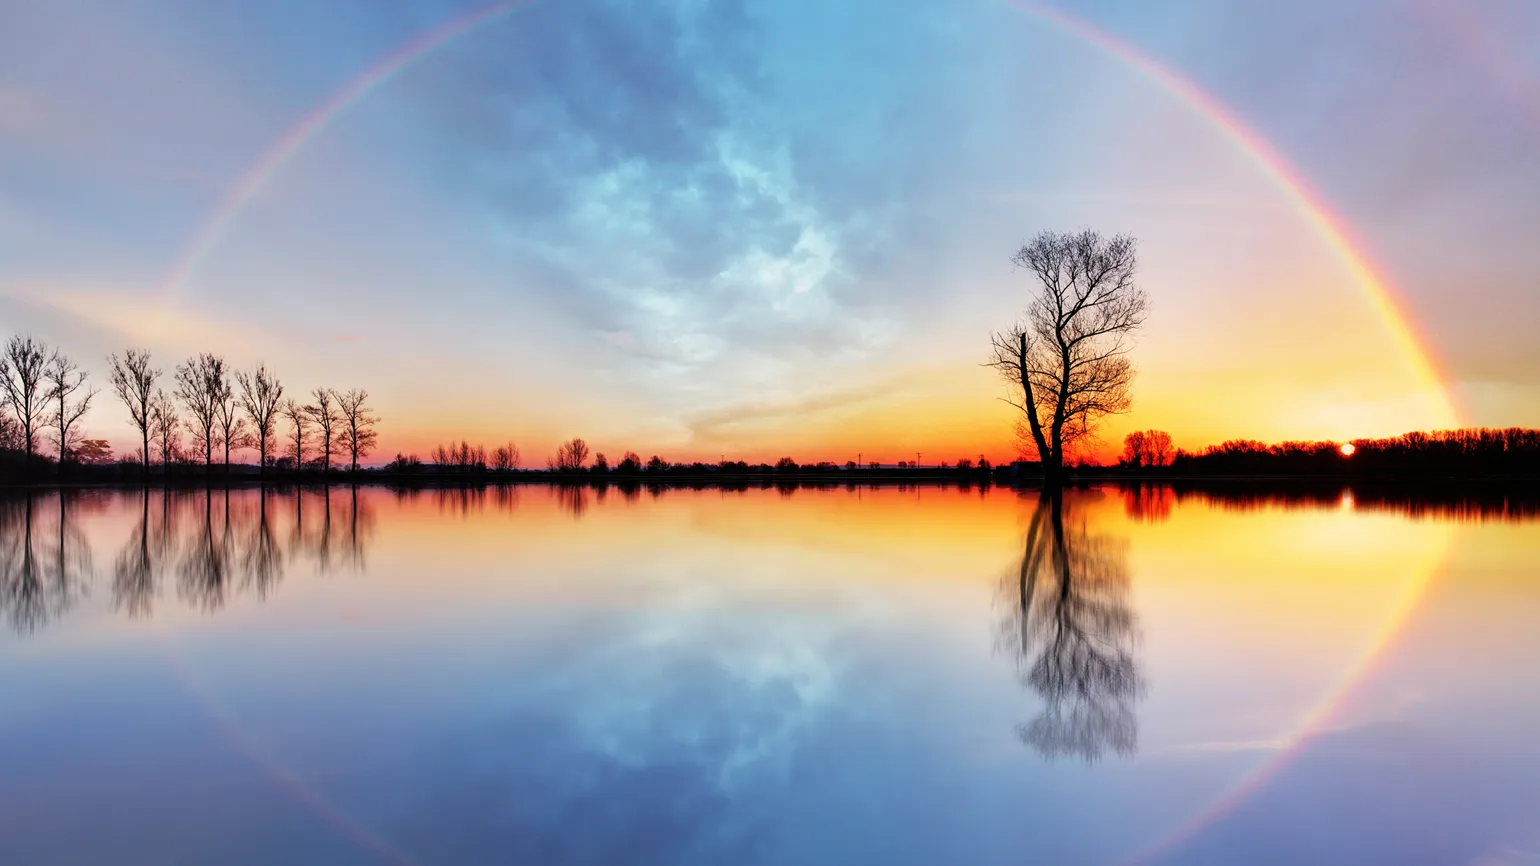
column 211, row 545
column 43, row 570
column 263, row 560
column 573, row 499
column 1073, row 636
column 206, row 563
column 142, row 558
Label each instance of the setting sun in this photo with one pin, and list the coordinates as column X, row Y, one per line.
column 1347, row 449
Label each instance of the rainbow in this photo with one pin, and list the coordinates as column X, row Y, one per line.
column 291, row 783
column 1318, row 719
column 1284, row 177
column 1332, row 229
column 256, row 177
column 1288, row 180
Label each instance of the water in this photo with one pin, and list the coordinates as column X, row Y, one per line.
column 895, row 676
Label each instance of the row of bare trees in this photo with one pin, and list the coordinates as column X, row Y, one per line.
column 212, row 409
column 41, row 389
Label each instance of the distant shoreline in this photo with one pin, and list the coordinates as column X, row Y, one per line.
column 1003, row 477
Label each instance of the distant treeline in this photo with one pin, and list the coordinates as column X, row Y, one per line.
column 571, row 461
column 1469, row 452
column 1459, row 500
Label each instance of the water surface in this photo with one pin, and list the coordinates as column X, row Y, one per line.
column 869, row 675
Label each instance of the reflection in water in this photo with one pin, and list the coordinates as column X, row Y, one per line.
column 574, row 499
column 1073, row 635
column 206, row 563
column 142, row 559
column 214, row 544
column 45, row 569
column 1149, row 503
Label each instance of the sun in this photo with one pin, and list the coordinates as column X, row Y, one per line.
column 1347, row 449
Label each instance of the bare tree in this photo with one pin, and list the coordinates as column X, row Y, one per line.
column 197, row 385
column 165, row 428
column 10, row 431
column 1147, row 448
column 505, row 458
column 327, row 416
column 464, row 458
column 227, row 415
column 570, row 456
column 70, row 398
column 357, row 431
column 134, row 381
column 1157, row 448
column 260, row 394
column 1069, row 354
column 1133, row 449
column 299, row 430
column 23, row 382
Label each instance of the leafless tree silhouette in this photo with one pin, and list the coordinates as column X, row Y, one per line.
column 10, row 431
column 1072, row 634
column 327, row 416
column 299, row 430
column 1069, row 353
column 23, row 386
column 570, row 456
column 198, row 384
column 358, row 420
column 165, row 428
column 1147, row 448
column 463, row 458
column 260, row 394
column 505, row 458
column 133, row 379
column 69, row 398
column 230, row 427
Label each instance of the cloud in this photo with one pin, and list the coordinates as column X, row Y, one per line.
column 706, row 424
column 663, row 171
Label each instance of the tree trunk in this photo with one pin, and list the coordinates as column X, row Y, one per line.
column 1053, row 469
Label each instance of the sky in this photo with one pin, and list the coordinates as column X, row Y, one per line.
column 707, row 227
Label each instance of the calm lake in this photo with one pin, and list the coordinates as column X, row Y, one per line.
column 921, row 675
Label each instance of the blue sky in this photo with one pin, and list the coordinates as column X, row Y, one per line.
column 699, row 227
